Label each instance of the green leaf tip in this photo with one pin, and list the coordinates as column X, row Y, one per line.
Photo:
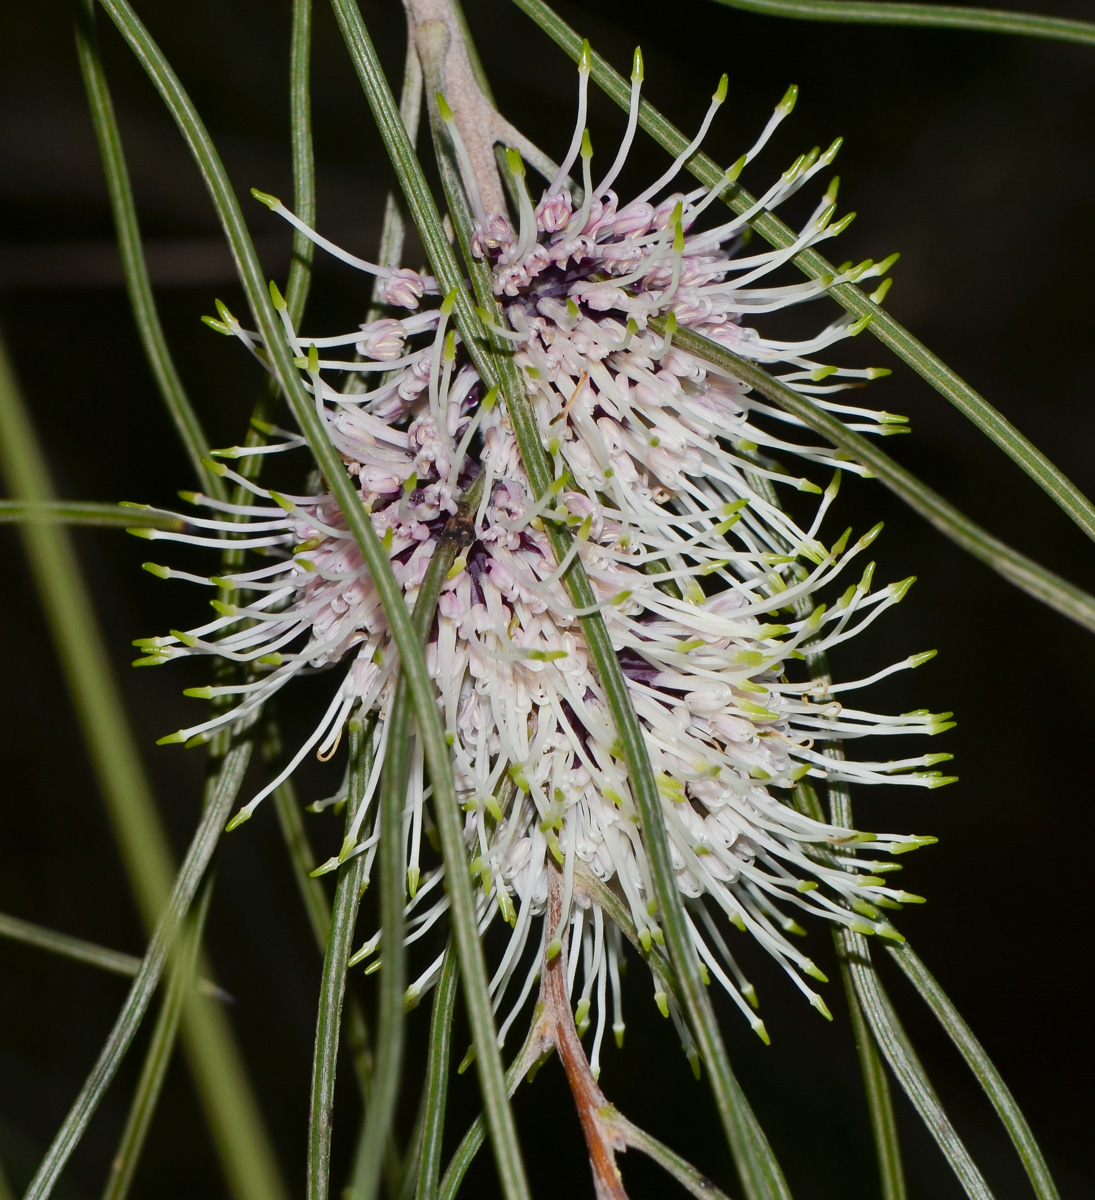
column 243, row 815
column 443, row 108
column 720, row 92
column 155, row 569
column 637, row 72
column 585, row 58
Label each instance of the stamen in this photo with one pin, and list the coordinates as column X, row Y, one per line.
column 716, row 103
column 632, row 125
column 585, row 65
column 467, row 171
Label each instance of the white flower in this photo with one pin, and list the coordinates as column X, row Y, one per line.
column 664, row 467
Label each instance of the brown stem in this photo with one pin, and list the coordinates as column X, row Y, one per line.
column 445, row 63
column 602, row 1138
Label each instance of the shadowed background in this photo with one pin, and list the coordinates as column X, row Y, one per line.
column 971, row 154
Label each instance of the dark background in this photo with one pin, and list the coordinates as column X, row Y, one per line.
column 971, row 154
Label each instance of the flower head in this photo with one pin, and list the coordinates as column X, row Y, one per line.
column 667, row 470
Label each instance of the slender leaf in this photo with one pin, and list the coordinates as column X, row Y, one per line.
column 883, row 326
column 318, row 912
column 393, row 789
column 393, row 228
column 226, row 1095
column 906, row 1066
column 304, row 163
column 930, row 16
column 465, row 931
column 68, row 609
column 472, row 1141
column 187, row 425
column 83, row 512
column 981, row 1065
column 1016, row 568
column 877, row 1088
column 144, row 985
column 115, row 961
column 123, row 1165
column 351, row 881
column 671, row 1162
column 437, row 1078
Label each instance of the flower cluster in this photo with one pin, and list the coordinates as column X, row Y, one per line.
column 666, row 469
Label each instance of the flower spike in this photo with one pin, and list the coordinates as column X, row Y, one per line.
column 669, row 473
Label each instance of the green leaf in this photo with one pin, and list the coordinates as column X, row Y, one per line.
column 301, row 403
column 981, row 1065
column 84, row 512
column 931, row 16
column 888, row 331
column 304, row 164
column 670, row 1161
column 437, row 1078
column 226, row 1095
column 465, row 929
column 138, row 284
column 391, row 1019
column 393, row 228
column 317, row 910
column 123, row 1165
column 476, row 1135
column 144, row 985
column 1016, row 568
column 348, row 892
column 115, row 961
column 906, row 1066
column 876, row 1086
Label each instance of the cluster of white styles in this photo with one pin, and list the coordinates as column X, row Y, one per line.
column 666, row 469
